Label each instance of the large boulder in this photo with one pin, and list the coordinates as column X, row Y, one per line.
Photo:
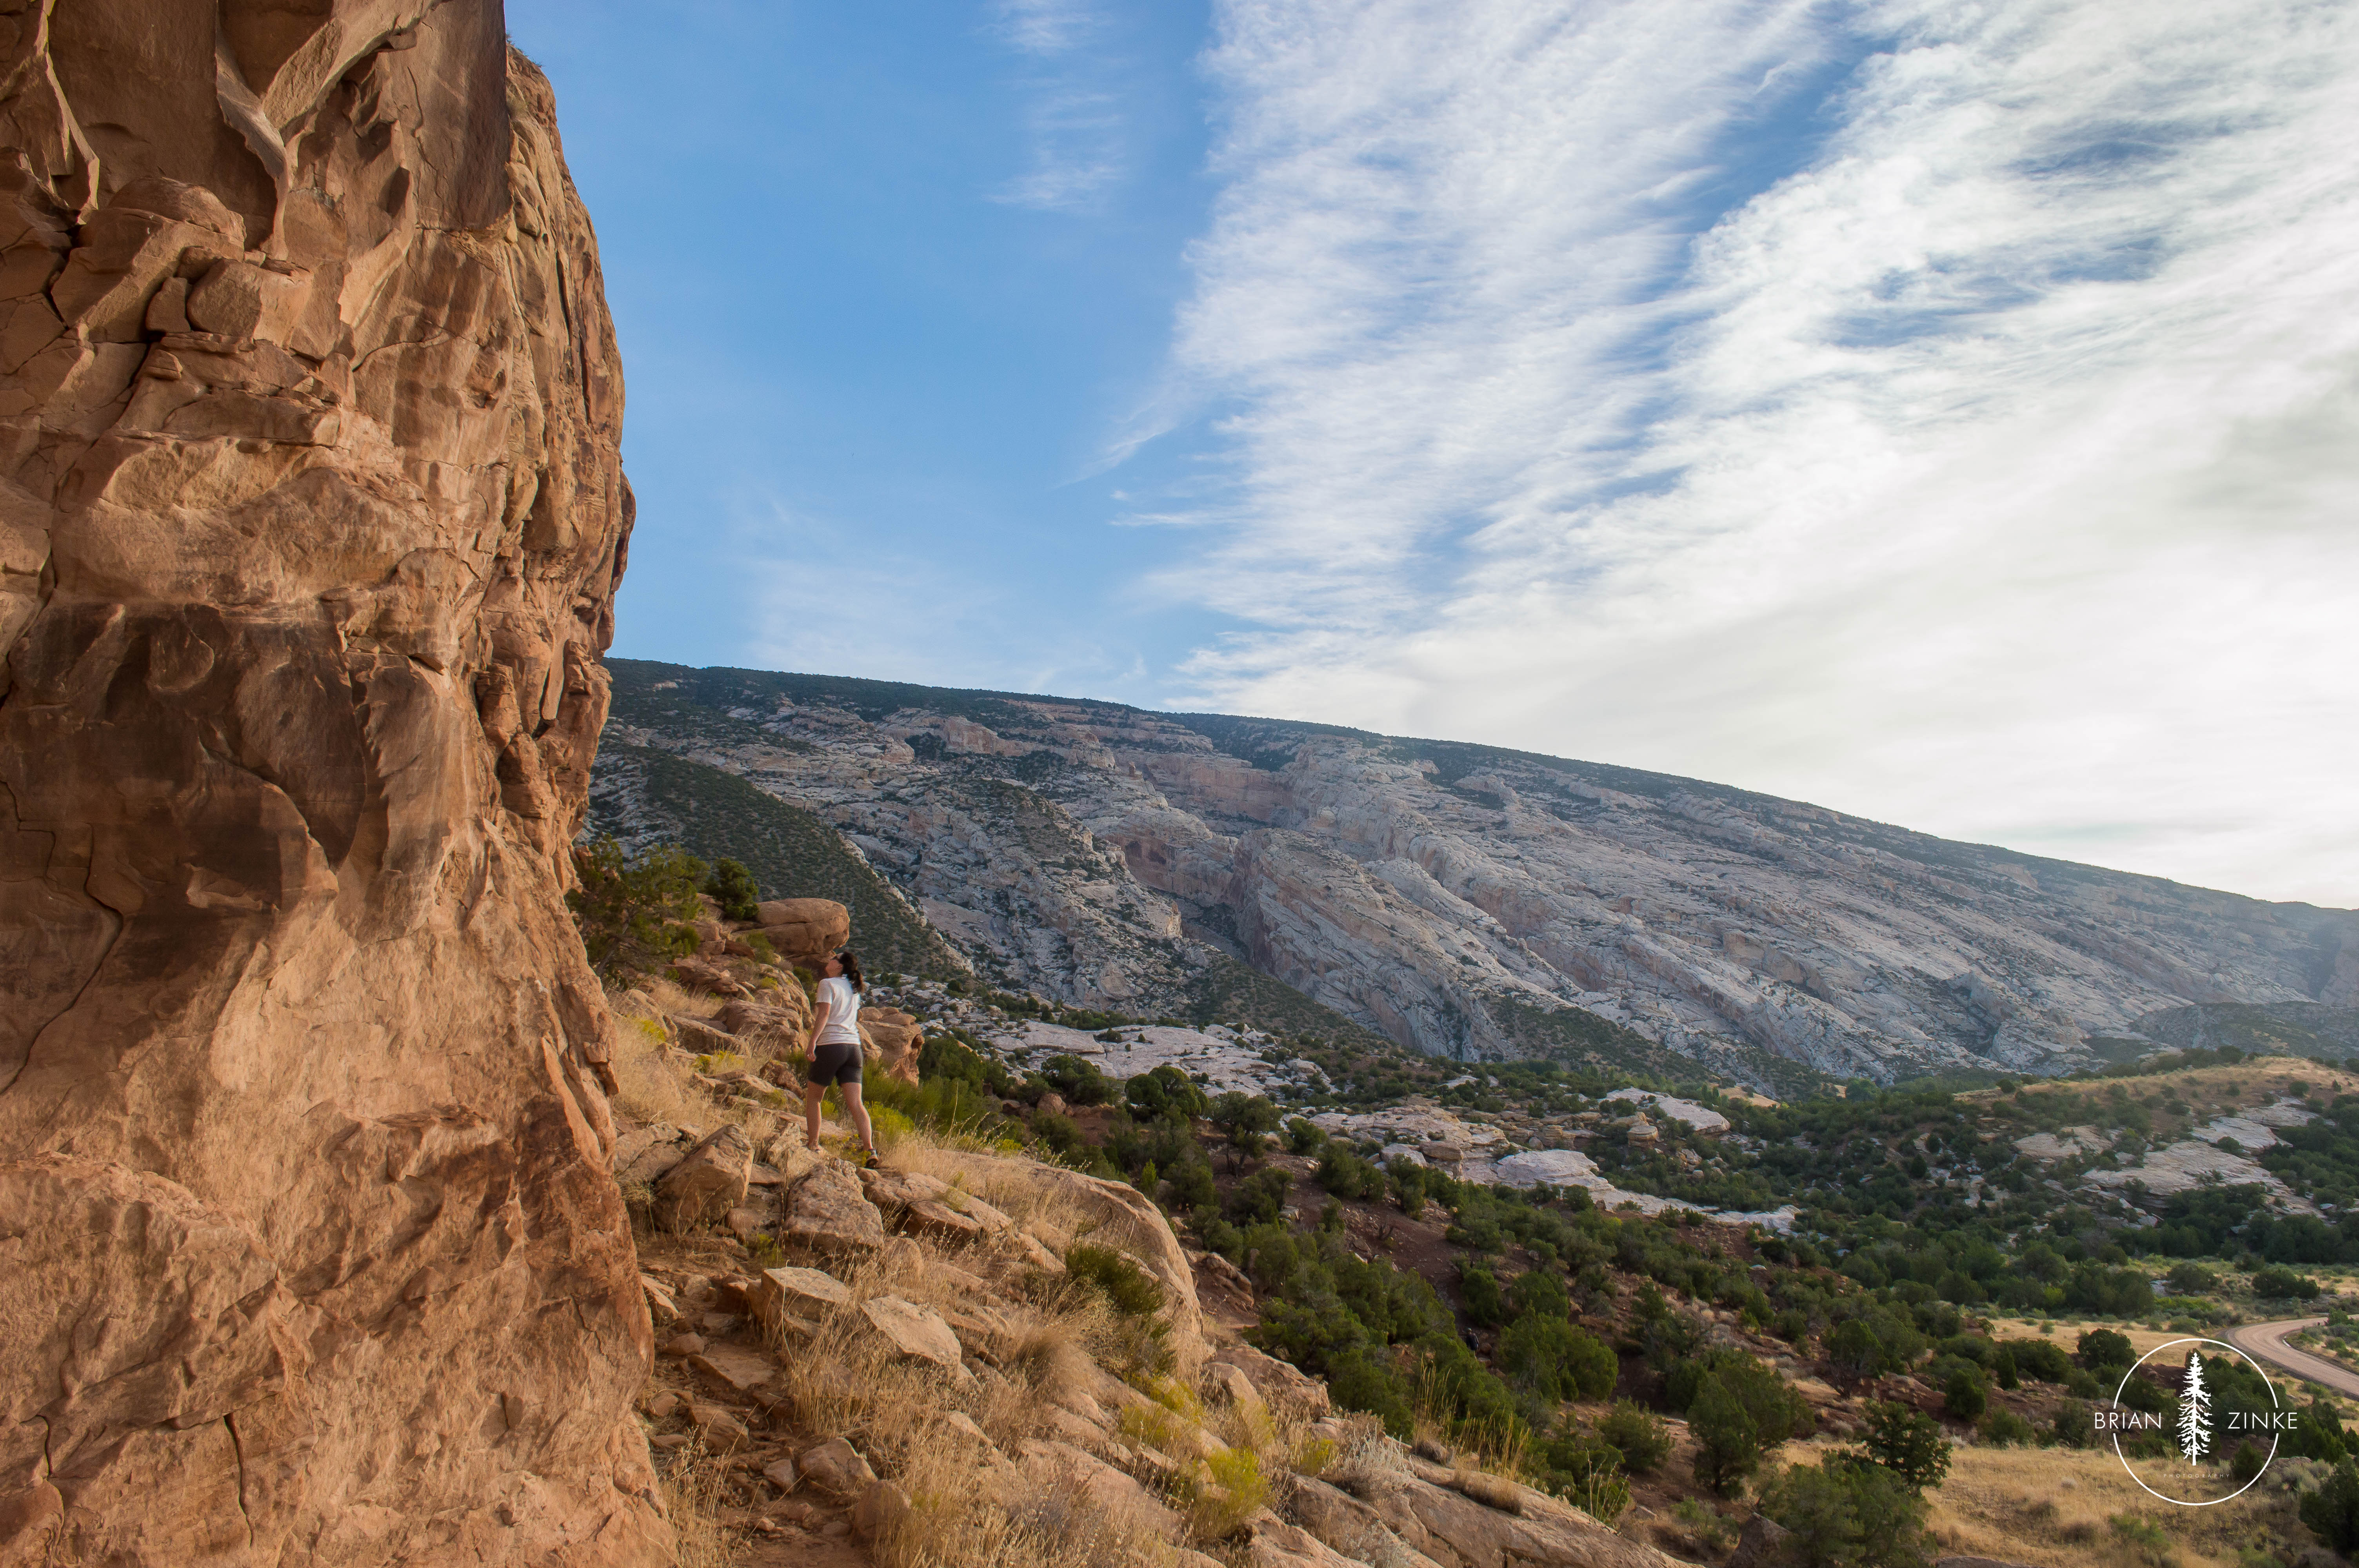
column 1437, row 1512
column 698, row 974
column 779, row 1017
column 890, row 1038
column 825, row 1211
column 710, row 1180
column 805, row 930
column 311, row 516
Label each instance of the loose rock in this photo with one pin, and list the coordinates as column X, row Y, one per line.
column 826, row 1212
column 914, row 1330
column 800, row 1293
column 709, row 1181
column 835, row 1467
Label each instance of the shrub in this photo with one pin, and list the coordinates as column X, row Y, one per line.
column 1347, row 1175
column 2004, row 1429
column 1260, row 1198
column 1906, row 1443
column 2145, row 1540
column 1245, row 1117
column 2041, row 1359
column 1584, row 1470
column 2249, row 1460
column 1304, row 1136
column 1486, row 1304
column 2073, row 1426
column 1741, row 1411
column 1358, row 1381
column 1060, row 1134
column 1237, row 1491
column 1077, row 1080
column 1191, row 1185
column 634, row 912
column 1408, row 1179
column 2192, row 1279
column 1873, row 1346
column 2104, row 1348
column 1165, row 1091
column 1643, row 1441
column 1538, row 1292
column 2320, row 1434
column 2332, row 1512
column 1965, row 1395
column 2284, row 1283
column 731, row 886
column 1848, row 1515
column 1127, row 1288
column 1549, row 1357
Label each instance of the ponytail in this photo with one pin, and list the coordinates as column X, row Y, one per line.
column 851, row 963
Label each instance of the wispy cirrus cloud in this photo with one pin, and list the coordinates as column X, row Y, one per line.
column 1073, row 115
column 1948, row 412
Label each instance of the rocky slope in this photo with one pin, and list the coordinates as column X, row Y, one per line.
column 894, row 1366
column 1472, row 901
column 310, row 519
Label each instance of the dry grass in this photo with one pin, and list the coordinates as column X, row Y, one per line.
column 692, row 1494
column 2055, row 1509
column 2066, row 1331
column 653, row 1083
column 973, row 1506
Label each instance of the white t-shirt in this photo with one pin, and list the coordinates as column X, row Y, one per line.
column 842, row 1016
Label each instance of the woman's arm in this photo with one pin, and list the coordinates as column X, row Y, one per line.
column 822, row 1006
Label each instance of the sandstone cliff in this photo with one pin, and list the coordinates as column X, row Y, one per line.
column 1473, row 901
column 310, row 519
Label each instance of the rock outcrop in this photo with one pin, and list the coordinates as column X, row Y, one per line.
column 310, row 519
column 1476, row 901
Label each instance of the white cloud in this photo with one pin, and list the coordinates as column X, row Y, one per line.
column 1074, row 117
column 1996, row 472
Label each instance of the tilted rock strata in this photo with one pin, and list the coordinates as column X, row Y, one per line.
column 310, row 519
column 1468, row 905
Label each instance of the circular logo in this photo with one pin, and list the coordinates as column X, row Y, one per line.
column 2216, row 1415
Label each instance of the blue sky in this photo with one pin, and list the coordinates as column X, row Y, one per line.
column 890, row 280
column 1946, row 412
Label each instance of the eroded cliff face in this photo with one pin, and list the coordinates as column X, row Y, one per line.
column 310, row 519
column 1473, row 901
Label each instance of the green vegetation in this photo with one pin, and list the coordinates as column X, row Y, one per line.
column 1637, row 1435
column 2291, row 1029
column 2332, row 1512
column 731, row 886
column 634, row 912
column 787, row 851
column 1844, row 1514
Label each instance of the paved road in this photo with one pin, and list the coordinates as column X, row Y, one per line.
column 2267, row 1341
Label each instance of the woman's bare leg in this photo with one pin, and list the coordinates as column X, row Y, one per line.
column 812, row 1095
column 859, row 1113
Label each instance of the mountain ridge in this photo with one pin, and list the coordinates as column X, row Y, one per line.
column 1445, row 892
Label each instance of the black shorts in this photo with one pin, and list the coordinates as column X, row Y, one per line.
column 835, row 1063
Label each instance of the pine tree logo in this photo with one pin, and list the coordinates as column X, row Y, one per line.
column 2194, row 1411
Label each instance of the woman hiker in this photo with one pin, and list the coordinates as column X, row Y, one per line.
column 834, row 1051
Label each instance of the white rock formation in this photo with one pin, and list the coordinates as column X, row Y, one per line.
column 1476, row 902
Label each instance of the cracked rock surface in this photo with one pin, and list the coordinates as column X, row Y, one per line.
column 1471, row 900
column 310, row 519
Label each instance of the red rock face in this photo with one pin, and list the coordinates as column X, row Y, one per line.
column 310, row 520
